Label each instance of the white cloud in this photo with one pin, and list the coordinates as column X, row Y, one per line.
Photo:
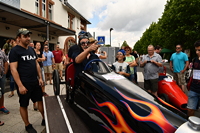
column 128, row 18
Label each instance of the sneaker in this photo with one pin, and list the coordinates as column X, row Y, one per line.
column 5, row 110
column 45, row 94
column 30, row 129
column 43, row 122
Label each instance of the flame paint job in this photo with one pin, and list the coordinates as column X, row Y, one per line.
column 121, row 125
column 155, row 116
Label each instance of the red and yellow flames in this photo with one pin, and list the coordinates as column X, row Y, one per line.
column 121, row 125
column 155, row 116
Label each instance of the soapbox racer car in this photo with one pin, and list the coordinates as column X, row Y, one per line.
column 170, row 92
column 108, row 102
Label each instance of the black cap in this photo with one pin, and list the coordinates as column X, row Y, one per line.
column 23, row 31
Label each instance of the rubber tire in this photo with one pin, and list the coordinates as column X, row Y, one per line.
column 56, row 82
column 164, row 97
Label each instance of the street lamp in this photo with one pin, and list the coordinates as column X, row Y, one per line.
column 110, row 35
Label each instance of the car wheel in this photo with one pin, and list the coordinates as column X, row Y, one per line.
column 56, row 82
column 164, row 97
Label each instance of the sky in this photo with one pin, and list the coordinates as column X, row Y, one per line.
column 128, row 18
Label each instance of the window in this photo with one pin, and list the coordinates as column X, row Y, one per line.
column 44, row 8
column 50, row 11
column 37, row 11
column 72, row 24
column 68, row 21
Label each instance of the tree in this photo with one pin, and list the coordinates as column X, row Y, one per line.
column 124, row 44
column 179, row 24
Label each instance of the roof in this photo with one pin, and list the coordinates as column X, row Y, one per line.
column 164, row 50
column 17, row 17
column 74, row 10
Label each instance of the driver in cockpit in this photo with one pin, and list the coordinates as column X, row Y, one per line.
column 83, row 53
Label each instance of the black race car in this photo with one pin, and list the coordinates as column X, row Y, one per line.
column 108, row 102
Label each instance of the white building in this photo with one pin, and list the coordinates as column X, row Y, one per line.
column 53, row 20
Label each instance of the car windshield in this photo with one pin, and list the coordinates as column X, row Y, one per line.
column 99, row 67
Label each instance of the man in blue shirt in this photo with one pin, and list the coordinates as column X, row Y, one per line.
column 48, row 63
column 178, row 64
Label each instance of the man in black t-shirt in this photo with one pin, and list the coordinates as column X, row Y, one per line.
column 27, row 75
column 194, row 93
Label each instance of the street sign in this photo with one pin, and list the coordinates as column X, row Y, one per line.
column 101, row 39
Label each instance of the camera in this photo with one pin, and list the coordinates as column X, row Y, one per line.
column 148, row 61
column 120, row 68
column 101, row 51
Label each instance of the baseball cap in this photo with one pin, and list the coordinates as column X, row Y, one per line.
column 23, row 31
column 122, row 51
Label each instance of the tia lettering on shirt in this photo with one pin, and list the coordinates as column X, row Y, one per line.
column 28, row 57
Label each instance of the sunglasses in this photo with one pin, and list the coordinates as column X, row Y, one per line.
column 178, row 47
column 57, row 47
column 83, row 43
column 45, row 47
column 127, row 50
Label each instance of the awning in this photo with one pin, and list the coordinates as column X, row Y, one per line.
column 16, row 17
column 164, row 50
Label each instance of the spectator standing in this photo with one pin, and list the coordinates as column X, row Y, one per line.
column 3, row 71
column 48, row 64
column 120, row 66
column 40, row 60
column 135, row 67
column 158, row 49
column 31, row 44
column 58, row 57
column 7, row 46
column 151, row 62
column 194, row 93
column 12, row 82
column 27, row 74
column 178, row 65
column 131, row 61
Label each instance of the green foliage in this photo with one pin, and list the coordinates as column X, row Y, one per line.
column 179, row 24
column 124, row 44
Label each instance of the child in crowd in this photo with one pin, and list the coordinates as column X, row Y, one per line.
column 120, row 66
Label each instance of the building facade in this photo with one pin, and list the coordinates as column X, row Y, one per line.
column 53, row 20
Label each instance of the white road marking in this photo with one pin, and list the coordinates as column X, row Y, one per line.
column 65, row 115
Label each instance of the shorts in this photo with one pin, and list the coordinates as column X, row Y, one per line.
column 179, row 78
column 48, row 69
column 193, row 100
column 2, row 84
column 34, row 93
column 59, row 66
column 42, row 72
column 151, row 84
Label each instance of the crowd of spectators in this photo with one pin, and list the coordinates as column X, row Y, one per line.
column 30, row 84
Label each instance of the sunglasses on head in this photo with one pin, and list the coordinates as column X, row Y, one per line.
column 83, row 43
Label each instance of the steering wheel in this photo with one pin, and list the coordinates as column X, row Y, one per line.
column 88, row 64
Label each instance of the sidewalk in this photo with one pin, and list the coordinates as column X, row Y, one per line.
column 13, row 121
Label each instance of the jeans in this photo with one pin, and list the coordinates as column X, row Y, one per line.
column 12, row 83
